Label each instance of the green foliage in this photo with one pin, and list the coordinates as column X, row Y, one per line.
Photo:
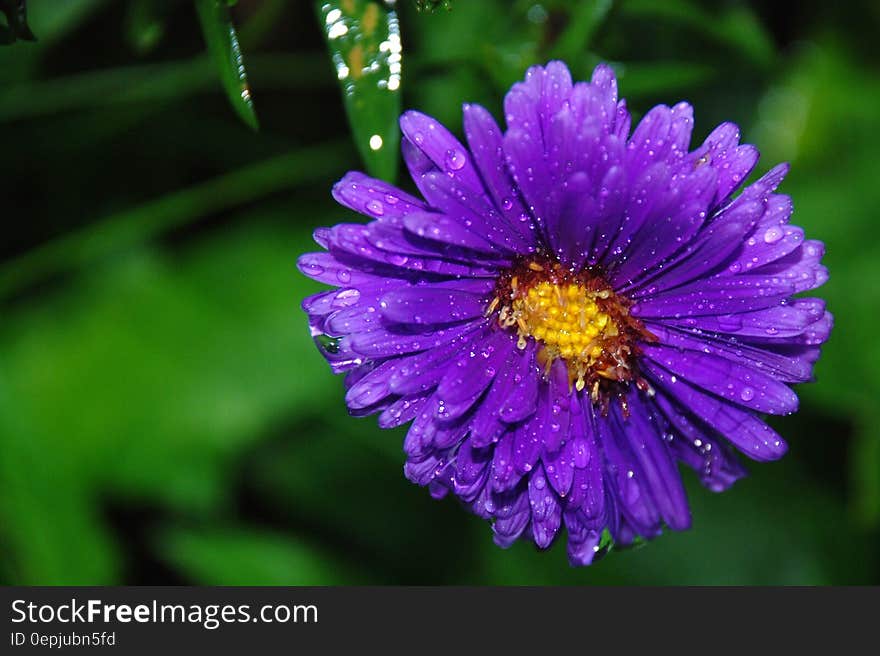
column 16, row 22
column 164, row 414
column 222, row 41
column 136, row 225
column 367, row 55
column 259, row 558
column 433, row 5
column 736, row 27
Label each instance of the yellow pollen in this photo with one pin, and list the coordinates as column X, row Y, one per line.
column 575, row 317
column 566, row 319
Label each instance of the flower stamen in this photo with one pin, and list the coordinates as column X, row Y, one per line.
column 576, row 317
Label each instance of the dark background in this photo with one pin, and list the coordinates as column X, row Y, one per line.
column 164, row 416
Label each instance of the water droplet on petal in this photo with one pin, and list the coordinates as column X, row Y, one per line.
column 455, row 160
column 773, row 234
column 375, row 208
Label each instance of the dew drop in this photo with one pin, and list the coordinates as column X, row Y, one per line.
column 747, row 394
column 455, row 160
column 773, row 234
column 375, row 208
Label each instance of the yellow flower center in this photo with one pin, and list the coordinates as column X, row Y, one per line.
column 575, row 316
column 566, row 319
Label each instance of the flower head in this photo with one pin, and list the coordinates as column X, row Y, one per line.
column 571, row 311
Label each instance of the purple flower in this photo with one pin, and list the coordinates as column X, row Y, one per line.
column 571, row 311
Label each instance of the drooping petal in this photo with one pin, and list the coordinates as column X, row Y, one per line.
column 742, row 428
column 735, row 382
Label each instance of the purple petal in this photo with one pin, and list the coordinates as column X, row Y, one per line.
column 384, row 344
column 403, row 410
column 716, row 465
column 471, row 470
column 604, row 80
column 485, row 141
column 749, row 434
column 439, row 150
column 546, row 511
column 473, row 211
column 556, row 405
column 802, row 268
column 788, row 319
column 375, row 198
column 445, row 230
column 625, row 479
column 587, row 490
column 715, row 296
column 678, row 221
column 657, row 467
column 509, row 528
column 328, row 269
column 528, row 443
column 357, row 240
column 487, row 425
column 782, row 367
column 559, row 468
column 471, row 373
column 583, row 543
column 523, row 398
column 424, row 372
column 504, row 474
column 709, row 249
column 730, row 380
column 432, row 304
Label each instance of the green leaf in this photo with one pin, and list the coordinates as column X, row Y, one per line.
column 222, row 42
column 364, row 41
column 648, row 79
column 433, row 5
column 55, row 20
column 160, row 373
column 16, row 22
column 865, row 464
column 584, row 20
column 148, row 83
column 245, row 556
column 736, row 27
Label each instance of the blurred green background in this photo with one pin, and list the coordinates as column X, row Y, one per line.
column 164, row 416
